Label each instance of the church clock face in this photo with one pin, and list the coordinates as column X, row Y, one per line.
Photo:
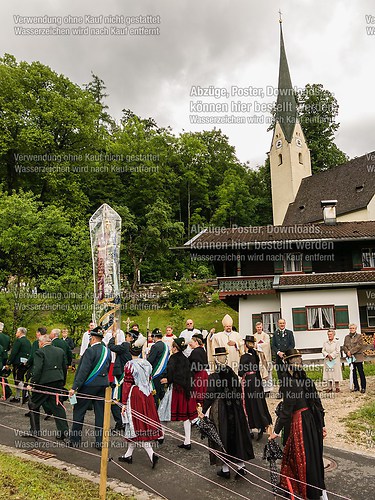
column 279, row 143
column 299, row 143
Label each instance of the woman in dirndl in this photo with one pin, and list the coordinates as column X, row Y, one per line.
column 183, row 405
column 254, row 402
column 199, row 366
column 142, row 425
column 302, row 418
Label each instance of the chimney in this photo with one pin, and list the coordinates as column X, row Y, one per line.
column 329, row 211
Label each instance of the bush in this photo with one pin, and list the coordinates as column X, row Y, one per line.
column 184, row 294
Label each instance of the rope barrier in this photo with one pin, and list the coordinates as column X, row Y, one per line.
column 165, row 429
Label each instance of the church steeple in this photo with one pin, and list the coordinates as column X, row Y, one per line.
column 289, row 154
column 286, row 106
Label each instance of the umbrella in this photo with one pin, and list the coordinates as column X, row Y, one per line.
column 271, row 453
column 350, row 362
column 208, row 429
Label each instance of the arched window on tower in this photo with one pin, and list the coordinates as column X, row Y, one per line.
column 280, row 159
column 300, row 159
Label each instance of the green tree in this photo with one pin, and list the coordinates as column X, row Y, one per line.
column 35, row 246
column 317, row 111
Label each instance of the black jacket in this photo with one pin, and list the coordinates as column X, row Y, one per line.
column 198, row 360
column 156, row 352
column 5, row 343
column 87, row 364
column 282, row 342
column 122, row 356
column 178, row 371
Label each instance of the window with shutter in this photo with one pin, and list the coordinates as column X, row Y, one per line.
column 299, row 319
column 341, row 317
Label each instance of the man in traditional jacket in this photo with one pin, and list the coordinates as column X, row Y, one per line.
column 282, row 341
column 119, row 345
column 353, row 347
column 18, row 358
column 231, row 340
column 48, row 373
column 158, row 358
column 91, row 380
column 57, row 342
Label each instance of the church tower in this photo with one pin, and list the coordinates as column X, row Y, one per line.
column 289, row 155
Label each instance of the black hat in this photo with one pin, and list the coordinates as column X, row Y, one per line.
column 291, row 353
column 220, row 351
column 133, row 333
column 250, row 338
column 180, row 343
column 97, row 332
column 197, row 336
column 156, row 332
column 135, row 350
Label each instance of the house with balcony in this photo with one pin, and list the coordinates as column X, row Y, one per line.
column 316, row 276
column 315, row 265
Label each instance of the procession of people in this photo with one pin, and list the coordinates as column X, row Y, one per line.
column 224, row 379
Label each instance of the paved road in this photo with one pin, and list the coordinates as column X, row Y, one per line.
column 353, row 478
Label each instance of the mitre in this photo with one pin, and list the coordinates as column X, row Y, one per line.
column 227, row 321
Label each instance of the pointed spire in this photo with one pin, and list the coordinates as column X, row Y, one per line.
column 286, row 106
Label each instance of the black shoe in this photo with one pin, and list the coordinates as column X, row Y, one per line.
column 240, row 473
column 155, row 459
column 161, row 440
column 363, row 391
column 221, row 473
column 260, row 435
column 61, row 436
column 128, row 460
column 28, row 414
column 14, row 400
column 119, row 426
column 185, row 446
column 355, row 390
column 48, row 417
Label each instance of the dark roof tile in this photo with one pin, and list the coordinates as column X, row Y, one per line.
column 352, row 184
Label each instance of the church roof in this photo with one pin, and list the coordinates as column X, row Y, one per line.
column 352, row 184
column 286, row 106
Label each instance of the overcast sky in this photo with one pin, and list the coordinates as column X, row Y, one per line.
column 223, row 43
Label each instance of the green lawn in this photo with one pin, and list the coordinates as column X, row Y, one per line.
column 206, row 316
column 361, row 424
column 27, row 480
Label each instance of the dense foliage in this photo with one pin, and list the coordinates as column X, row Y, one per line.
column 62, row 156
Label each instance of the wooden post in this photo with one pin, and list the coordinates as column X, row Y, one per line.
column 105, row 443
